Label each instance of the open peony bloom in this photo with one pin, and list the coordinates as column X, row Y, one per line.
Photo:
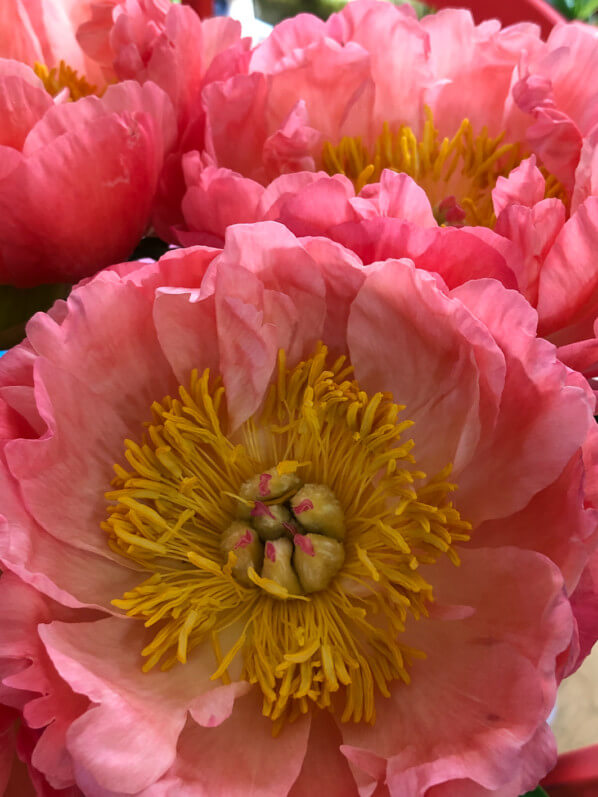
column 45, row 32
column 493, row 125
column 168, row 44
column 77, row 179
column 277, row 522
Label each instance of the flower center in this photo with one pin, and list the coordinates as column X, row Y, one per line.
column 300, row 535
column 290, row 531
column 457, row 174
column 63, row 78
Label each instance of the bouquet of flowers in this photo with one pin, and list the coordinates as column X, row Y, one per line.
column 299, row 472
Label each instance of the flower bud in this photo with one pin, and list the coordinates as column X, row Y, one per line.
column 277, row 565
column 318, row 509
column 247, row 547
column 317, row 559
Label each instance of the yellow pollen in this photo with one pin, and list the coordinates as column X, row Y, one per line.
column 179, row 492
column 458, row 174
column 63, row 77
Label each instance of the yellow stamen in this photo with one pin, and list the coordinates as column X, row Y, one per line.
column 168, row 514
column 63, row 77
column 461, row 170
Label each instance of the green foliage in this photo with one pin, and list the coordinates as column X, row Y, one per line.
column 539, row 792
column 274, row 11
column 586, row 10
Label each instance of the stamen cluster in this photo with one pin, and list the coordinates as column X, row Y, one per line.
column 290, row 531
column 313, row 575
column 458, row 174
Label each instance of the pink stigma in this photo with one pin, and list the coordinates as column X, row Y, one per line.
column 264, row 482
column 304, row 506
column 305, row 544
column 261, row 509
column 243, row 541
column 289, row 527
column 271, row 551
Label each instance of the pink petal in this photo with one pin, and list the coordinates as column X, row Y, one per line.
column 341, row 75
column 128, row 738
column 400, row 197
column 585, row 608
column 315, row 207
column 56, row 706
column 577, row 98
column 492, row 673
column 325, row 769
column 557, row 141
column 186, row 327
column 586, row 174
column 288, row 36
column 343, row 275
column 61, row 485
column 239, row 757
column 54, row 568
column 396, row 45
column 532, row 231
column 22, row 105
column 236, row 125
column 525, row 185
column 430, row 367
column 473, row 61
column 290, row 148
column 569, row 275
column 100, row 175
column 533, row 458
column 218, row 199
column 458, row 255
column 554, row 523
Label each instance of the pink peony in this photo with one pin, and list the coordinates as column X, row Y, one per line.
column 168, row 44
column 44, row 31
column 77, row 179
column 234, row 564
column 372, row 88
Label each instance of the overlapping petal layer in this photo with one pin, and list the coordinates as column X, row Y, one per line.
column 486, row 395
column 77, row 179
column 330, row 96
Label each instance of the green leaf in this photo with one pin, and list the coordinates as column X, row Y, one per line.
column 538, row 792
column 585, row 10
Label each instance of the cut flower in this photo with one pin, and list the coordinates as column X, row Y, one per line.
column 280, row 540
column 77, row 179
column 491, row 124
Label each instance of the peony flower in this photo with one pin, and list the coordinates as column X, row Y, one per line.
column 492, row 124
column 44, row 31
column 278, row 522
column 167, row 44
column 77, row 179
